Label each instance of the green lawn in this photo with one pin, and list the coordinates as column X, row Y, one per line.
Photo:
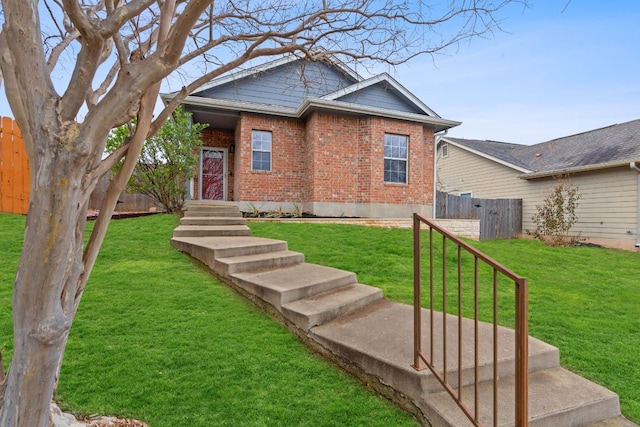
column 158, row 339
column 582, row 300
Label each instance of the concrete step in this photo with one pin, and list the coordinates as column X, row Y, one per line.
column 557, row 397
column 211, row 230
column 287, row 284
column 321, row 308
column 614, row 422
column 213, row 210
column 379, row 339
column 208, row 249
column 210, row 203
column 192, row 202
column 213, row 220
column 262, row 261
column 354, row 324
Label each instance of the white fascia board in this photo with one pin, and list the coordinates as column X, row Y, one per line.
column 353, row 88
column 485, row 155
column 586, row 168
column 350, row 108
column 311, row 103
column 342, row 66
column 384, row 77
column 398, row 86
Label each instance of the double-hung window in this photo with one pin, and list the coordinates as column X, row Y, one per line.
column 396, row 154
column 261, row 150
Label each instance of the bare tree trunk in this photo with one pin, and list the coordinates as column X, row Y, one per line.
column 65, row 156
column 43, row 300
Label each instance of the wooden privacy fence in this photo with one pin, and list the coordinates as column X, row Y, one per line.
column 14, row 178
column 127, row 202
column 14, row 169
column 499, row 218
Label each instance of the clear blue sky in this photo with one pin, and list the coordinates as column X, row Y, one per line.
column 550, row 73
column 558, row 68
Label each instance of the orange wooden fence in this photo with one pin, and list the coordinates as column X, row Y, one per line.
column 14, row 169
column 14, row 178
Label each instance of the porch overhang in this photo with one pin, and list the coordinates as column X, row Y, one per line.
column 232, row 109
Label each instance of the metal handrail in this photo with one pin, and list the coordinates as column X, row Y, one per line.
column 521, row 323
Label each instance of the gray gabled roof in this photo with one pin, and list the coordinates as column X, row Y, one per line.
column 500, row 152
column 294, row 87
column 383, row 82
column 610, row 146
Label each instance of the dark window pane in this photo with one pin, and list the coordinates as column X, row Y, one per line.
column 261, row 154
column 395, row 153
column 261, row 161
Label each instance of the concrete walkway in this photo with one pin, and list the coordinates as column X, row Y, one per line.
column 352, row 325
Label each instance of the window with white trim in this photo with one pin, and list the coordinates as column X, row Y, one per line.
column 445, row 150
column 396, row 154
column 261, row 142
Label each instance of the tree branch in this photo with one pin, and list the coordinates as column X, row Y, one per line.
column 59, row 48
column 122, row 14
column 73, row 9
column 115, row 188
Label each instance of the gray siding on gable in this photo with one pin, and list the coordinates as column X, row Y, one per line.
column 381, row 95
column 287, row 85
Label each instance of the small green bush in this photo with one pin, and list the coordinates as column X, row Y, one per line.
column 557, row 215
column 168, row 159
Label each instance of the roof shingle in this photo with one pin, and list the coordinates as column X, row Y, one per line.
column 615, row 144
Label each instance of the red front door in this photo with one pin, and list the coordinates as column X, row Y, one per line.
column 213, row 176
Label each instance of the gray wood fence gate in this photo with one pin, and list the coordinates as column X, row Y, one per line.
column 499, row 218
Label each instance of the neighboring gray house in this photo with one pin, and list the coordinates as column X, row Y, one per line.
column 315, row 135
column 603, row 163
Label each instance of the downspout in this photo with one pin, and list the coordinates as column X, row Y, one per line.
column 634, row 166
column 435, row 169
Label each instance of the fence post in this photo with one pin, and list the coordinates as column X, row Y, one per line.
column 417, row 298
column 522, row 359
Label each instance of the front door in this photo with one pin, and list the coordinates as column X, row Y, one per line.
column 213, row 173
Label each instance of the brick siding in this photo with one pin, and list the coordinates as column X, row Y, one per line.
column 327, row 158
column 285, row 180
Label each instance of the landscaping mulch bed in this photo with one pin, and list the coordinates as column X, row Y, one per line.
column 113, row 422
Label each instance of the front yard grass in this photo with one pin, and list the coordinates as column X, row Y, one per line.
column 157, row 338
column 583, row 300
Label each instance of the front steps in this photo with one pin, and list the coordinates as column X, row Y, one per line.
column 306, row 294
column 353, row 325
column 205, row 218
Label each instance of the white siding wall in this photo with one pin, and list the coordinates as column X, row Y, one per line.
column 608, row 207
column 462, row 171
column 607, row 211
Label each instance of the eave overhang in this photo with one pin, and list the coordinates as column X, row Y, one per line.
column 313, row 104
column 578, row 169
